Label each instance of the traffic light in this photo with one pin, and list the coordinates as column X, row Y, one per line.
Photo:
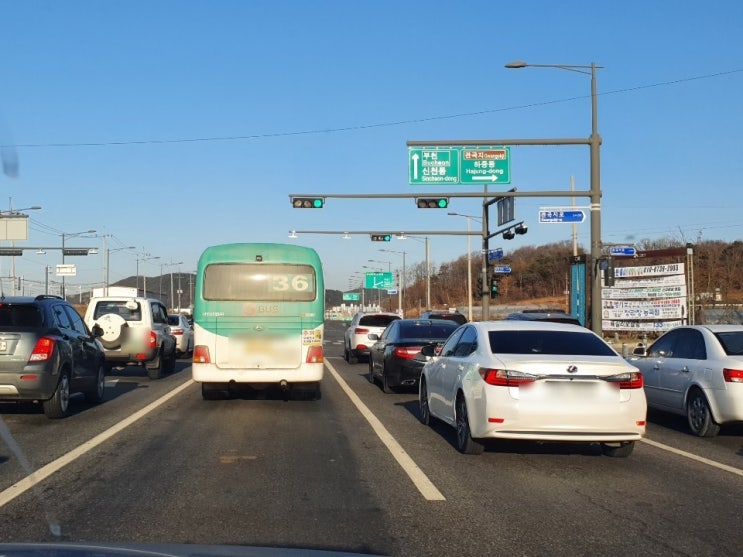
column 432, row 202
column 494, row 286
column 521, row 228
column 11, row 251
column 308, row 202
column 508, row 234
column 609, row 272
column 479, row 285
column 381, row 237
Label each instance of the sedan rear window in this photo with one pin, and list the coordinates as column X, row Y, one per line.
column 377, row 320
column 427, row 330
column 731, row 342
column 556, row 343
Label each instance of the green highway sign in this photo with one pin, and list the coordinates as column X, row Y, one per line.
column 459, row 165
column 379, row 279
column 351, row 296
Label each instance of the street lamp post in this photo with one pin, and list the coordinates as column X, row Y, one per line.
column 594, row 142
column 70, row 235
column 108, row 263
column 145, row 257
column 428, row 264
column 469, row 261
column 400, row 294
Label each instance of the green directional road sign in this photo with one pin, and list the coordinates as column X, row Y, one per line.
column 459, row 165
column 351, row 296
column 379, row 279
column 433, row 166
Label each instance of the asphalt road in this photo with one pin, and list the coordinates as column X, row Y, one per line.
column 353, row 471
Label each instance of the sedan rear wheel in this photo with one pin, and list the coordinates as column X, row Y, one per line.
column 95, row 395
column 424, row 413
column 465, row 443
column 700, row 416
column 372, row 380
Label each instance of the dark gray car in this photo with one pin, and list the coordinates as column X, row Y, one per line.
column 46, row 353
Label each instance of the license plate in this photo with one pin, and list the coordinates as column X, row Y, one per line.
column 3, row 346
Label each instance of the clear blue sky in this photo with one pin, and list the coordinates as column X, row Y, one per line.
column 175, row 125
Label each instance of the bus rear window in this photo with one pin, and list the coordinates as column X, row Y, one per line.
column 273, row 282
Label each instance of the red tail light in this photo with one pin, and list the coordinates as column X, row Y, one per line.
column 360, row 331
column 629, row 380
column 201, row 354
column 43, row 350
column 506, row 378
column 176, row 332
column 315, row 355
column 733, row 375
column 406, row 352
column 150, row 337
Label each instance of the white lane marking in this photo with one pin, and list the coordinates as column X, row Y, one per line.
column 692, row 456
column 44, row 472
column 417, row 476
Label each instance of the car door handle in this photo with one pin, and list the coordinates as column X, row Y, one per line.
column 685, row 369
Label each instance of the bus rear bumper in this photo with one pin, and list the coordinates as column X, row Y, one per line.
column 211, row 373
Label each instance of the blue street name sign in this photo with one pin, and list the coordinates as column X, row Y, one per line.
column 620, row 251
column 502, row 269
column 561, row 214
column 495, row 254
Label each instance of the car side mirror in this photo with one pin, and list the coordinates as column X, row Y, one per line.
column 373, row 336
column 429, row 350
column 640, row 351
column 97, row 330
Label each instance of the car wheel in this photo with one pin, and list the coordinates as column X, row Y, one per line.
column 95, row 396
column 345, row 352
column 619, row 450
column 155, row 367
column 114, row 330
column 465, row 443
column 424, row 412
column 352, row 357
column 372, row 379
column 59, row 405
column 700, row 416
column 385, row 386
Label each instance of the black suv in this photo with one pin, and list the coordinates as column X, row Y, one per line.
column 46, row 353
column 440, row 314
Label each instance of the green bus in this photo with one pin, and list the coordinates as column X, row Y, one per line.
column 258, row 318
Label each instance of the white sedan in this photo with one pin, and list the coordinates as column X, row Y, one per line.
column 536, row 381
column 696, row 371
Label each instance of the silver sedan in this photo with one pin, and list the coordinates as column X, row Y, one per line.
column 696, row 371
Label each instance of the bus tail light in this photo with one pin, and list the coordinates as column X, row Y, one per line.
column 314, row 354
column 201, row 354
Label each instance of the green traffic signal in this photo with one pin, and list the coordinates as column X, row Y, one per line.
column 432, row 202
column 380, row 237
column 308, row 202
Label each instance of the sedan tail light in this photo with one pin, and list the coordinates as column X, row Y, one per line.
column 406, row 352
column 629, row 380
column 732, row 375
column 43, row 350
column 506, row 377
column 176, row 332
column 360, row 331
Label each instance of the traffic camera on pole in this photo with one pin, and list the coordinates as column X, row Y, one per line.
column 432, row 202
column 308, row 202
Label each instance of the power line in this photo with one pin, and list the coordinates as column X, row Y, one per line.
column 369, row 126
